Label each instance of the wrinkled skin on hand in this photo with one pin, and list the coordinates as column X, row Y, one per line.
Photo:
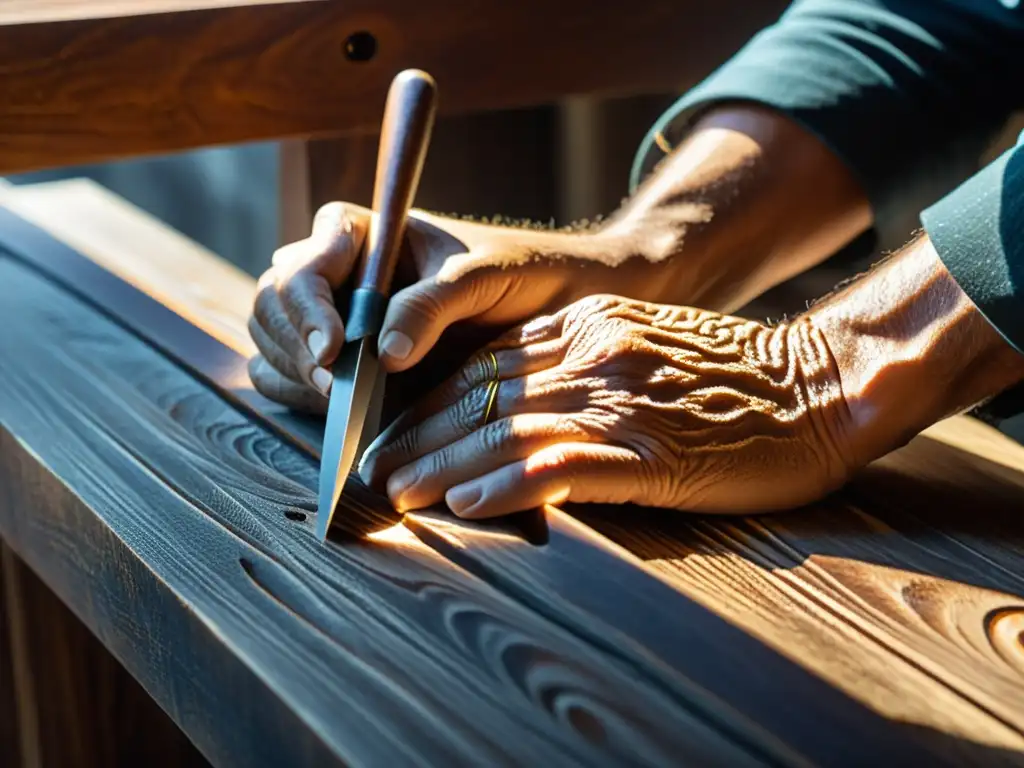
column 614, row 400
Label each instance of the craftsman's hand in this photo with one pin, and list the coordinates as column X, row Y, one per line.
column 615, row 400
column 458, row 270
column 749, row 199
column 612, row 400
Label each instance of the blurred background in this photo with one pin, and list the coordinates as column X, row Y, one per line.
column 563, row 162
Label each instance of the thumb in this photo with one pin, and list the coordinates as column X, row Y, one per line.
column 418, row 315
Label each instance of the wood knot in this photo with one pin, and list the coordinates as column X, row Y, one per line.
column 1005, row 630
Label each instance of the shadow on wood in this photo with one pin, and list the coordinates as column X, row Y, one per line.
column 159, row 506
column 918, row 562
column 76, row 705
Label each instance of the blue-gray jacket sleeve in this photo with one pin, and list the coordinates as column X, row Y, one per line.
column 908, row 93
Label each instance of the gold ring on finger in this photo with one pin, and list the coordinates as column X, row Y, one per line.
column 492, row 396
column 492, row 390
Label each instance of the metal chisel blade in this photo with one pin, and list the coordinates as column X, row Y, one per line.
column 353, row 419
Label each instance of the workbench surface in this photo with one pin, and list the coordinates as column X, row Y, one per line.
column 172, row 512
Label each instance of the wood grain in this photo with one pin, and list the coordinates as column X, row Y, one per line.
column 378, row 650
column 900, row 592
column 39, row 11
column 21, row 712
column 77, row 706
column 905, row 590
column 620, row 603
column 79, row 89
column 141, row 250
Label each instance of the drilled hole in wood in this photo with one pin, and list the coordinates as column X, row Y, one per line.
column 294, row 514
column 360, row 46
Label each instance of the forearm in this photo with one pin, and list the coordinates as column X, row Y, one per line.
column 905, row 94
column 747, row 201
column 911, row 349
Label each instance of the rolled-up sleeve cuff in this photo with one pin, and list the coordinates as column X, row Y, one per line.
column 978, row 232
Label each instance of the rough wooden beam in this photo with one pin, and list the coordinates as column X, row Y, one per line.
column 78, row 86
column 146, row 455
column 903, row 591
column 182, row 536
column 76, row 706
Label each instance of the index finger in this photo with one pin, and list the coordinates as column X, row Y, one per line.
column 313, row 269
column 333, row 246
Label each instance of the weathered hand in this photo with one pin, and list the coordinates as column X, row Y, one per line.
column 614, row 400
column 458, row 270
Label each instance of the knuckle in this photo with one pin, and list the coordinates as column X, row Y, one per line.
column 264, row 303
column 425, row 305
column 406, row 443
column 264, row 378
column 596, row 304
column 268, row 350
column 466, row 413
column 332, row 240
column 468, row 375
column 269, row 277
column 333, row 213
column 573, row 427
column 438, row 461
column 295, row 293
column 314, row 255
column 270, row 383
column 619, row 346
column 254, row 329
column 285, row 255
column 254, row 365
column 451, row 389
column 498, row 435
column 477, row 370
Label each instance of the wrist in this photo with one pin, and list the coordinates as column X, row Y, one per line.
column 911, row 349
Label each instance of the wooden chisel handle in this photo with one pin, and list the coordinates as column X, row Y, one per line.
column 404, row 137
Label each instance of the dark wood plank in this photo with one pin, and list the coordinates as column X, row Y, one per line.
column 78, row 707
column 161, row 325
column 175, row 530
column 904, row 590
column 870, row 590
column 606, row 597
column 144, row 251
column 79, row 86
column 19, row 731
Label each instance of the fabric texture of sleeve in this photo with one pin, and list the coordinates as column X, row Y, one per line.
column 908, row 93
column 978, row 232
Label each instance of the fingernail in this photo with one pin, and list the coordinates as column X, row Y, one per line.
column 364, row 468
column 397, row 345
column 398, row 487
column 462, row 498
column 322, row 380
column 317, row 343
